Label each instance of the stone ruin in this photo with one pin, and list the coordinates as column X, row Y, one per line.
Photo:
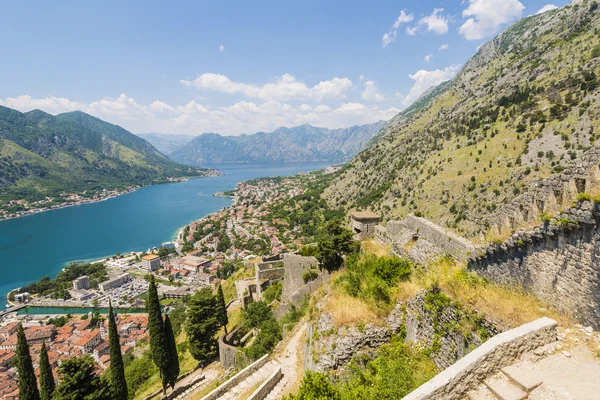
column 420, row 240
column 289, row 269
column 364, row 223
column 550, row 195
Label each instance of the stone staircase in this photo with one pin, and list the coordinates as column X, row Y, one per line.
column 512, row 383
column 243, row 389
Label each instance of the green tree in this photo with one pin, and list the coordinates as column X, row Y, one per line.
column 177, row 319
column 202, row 325
column 316, row 386
column 78, row 381
column 46, row 378
column 223, row 319
column 259, row 315
column 118, row 385
column 173, row 365
column 333, row 243
column 27, row 384
column 158, row 343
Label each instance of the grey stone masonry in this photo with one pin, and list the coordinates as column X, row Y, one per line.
column 237, row 378
column 550, row 195
column 428, row 239
column 498, row 352
column 265, row 388
column 449, row 242
column 558, row 261
column 364, row 223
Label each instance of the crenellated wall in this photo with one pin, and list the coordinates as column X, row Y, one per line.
column 558, row 261
column 550, row 195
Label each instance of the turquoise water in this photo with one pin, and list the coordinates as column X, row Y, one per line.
column 42, row 244
column 75, row 310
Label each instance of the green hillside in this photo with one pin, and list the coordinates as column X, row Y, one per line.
column 523, row 108
column 43, row 155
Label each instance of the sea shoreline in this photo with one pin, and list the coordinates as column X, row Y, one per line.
column 112, row 196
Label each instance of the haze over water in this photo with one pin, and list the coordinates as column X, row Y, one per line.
column 41, row 244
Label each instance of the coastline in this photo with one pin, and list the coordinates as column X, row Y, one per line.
column 177, row 233
column 111, row 196
column 79, row 203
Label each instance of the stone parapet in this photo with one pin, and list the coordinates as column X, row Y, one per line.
column 498, row 352
column 558, row 261
column 237, row 378
column 265, row 388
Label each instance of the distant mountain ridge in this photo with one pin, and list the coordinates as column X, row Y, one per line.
column 166, row 143
column 297, row 144
column 45, row 155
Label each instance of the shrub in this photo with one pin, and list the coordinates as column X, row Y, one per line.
column 273, row 292
column 584, row 197
column 309, row 275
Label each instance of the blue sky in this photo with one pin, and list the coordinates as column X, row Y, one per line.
column 234, row 67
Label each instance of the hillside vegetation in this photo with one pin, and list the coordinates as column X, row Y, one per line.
column 523, row 108
column 44, row 155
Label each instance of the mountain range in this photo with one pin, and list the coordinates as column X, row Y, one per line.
column 45, row 155
column 524, row 108
column 301, row 143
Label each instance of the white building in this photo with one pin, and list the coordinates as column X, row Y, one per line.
column 114, row 282
column 151, row 262
column 81, row 283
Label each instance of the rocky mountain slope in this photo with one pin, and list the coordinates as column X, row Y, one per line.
column 524, row 108
column 302, row 143
column 166, row 143
column 44, row 155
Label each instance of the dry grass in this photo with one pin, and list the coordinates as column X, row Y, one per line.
column 347, row 310
column 511, row 307
column 378, row 249
column 507, row 306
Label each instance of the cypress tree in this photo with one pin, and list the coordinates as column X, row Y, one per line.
column 202, row 325
column 46, row 378
column 28, row 389
column 158, row 343
column 118, row 385
column 223, row 319
column 173, row 371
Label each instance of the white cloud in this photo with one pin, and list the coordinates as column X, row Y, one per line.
column 195, row 118
column 52, row 105
column 443, row 47
column 285, row 87
column 391, row 35
column 436, row 22
column 486, row 16
column 547, row 7
column 388, row 38
column 221, row 48
column 371, row 93
column 412, row 30
column 427, row 58
column 424, row 80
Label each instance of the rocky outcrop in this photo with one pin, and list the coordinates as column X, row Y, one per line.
column 429, row 320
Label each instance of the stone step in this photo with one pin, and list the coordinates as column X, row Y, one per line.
column 525, row 380
column 505, row 390
column 475, row 396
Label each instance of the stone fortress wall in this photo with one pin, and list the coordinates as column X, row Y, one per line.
column 550, row 195
column 420, row 239
column 558, row 261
